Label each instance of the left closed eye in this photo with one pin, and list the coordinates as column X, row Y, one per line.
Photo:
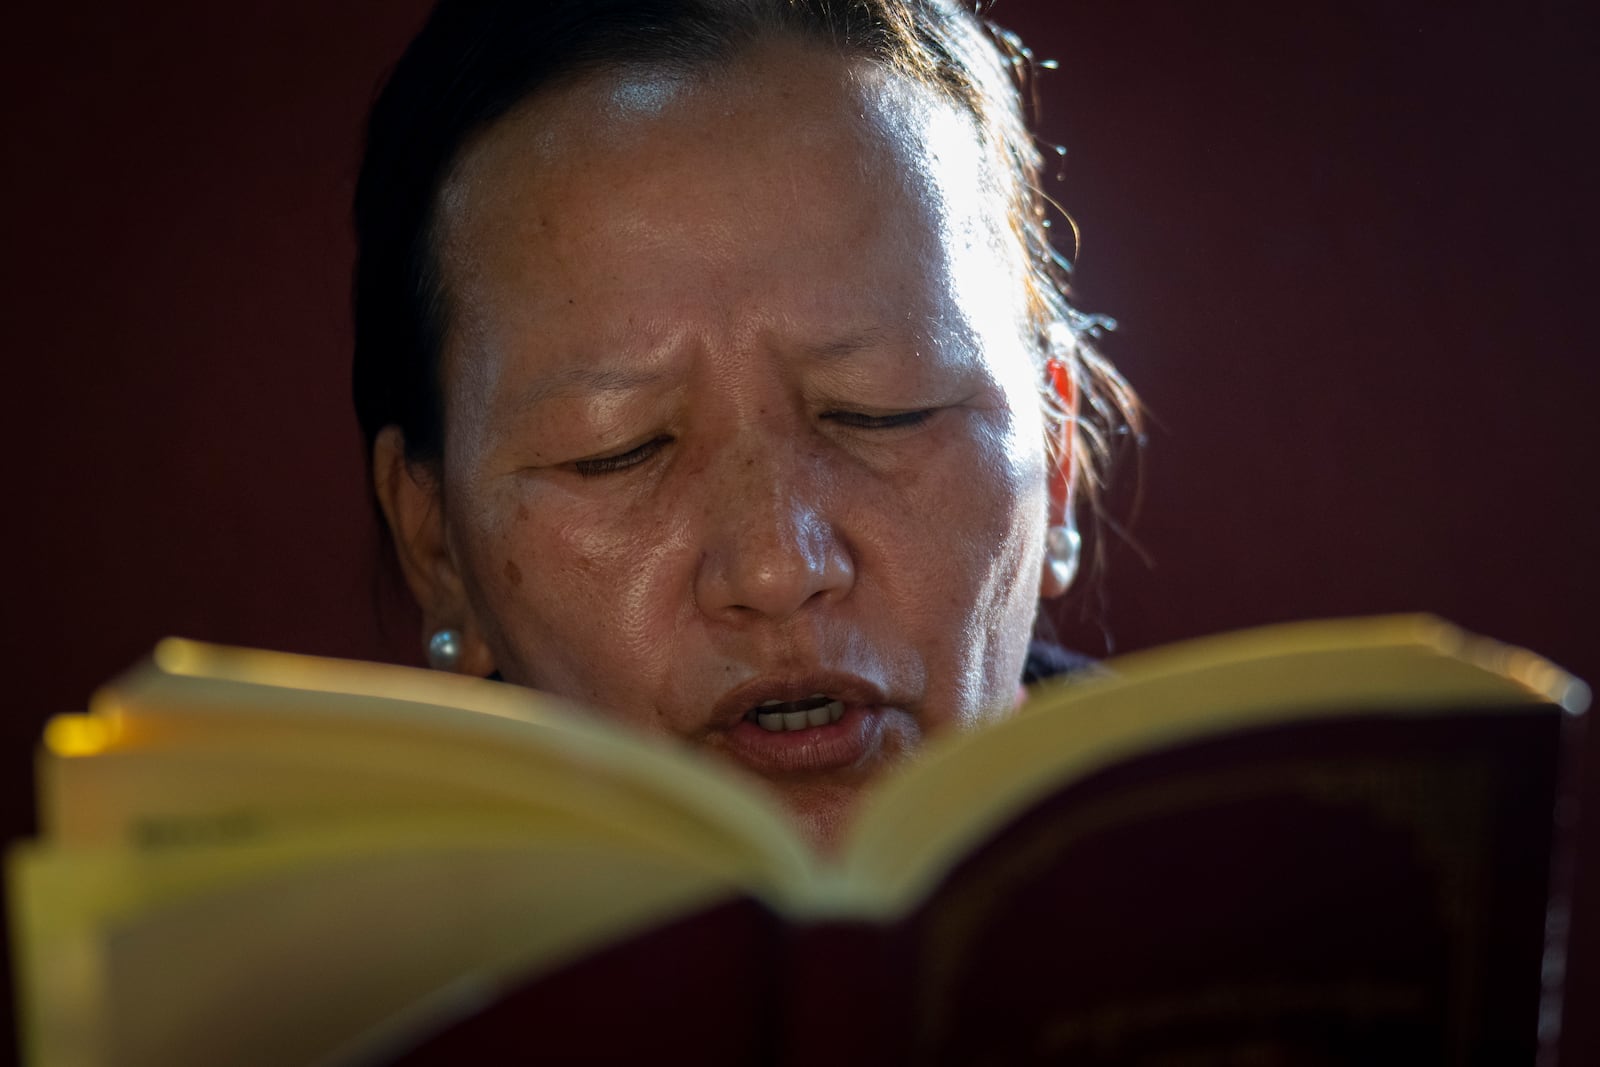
column 863, row 421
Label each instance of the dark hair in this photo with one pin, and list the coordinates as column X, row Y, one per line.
column 475, row 60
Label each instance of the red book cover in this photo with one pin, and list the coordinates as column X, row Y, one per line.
column 1349, row 891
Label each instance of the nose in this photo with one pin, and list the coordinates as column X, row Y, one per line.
column 770, row 545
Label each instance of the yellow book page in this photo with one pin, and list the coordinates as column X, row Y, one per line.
column 371, row 735
column 235, row 780
column 194, row 798
column 303, row 950
column 925, row 820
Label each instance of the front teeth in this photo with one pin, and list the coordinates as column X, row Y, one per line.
column 799, row 718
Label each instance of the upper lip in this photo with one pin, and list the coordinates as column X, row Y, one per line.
column 845, row 688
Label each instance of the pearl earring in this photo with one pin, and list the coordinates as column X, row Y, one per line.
column 1062, row 548
column 444, row 650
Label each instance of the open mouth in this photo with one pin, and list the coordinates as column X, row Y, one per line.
column 818, row 709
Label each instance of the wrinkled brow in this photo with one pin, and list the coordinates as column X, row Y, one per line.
column 848, row 345
column 585, row 380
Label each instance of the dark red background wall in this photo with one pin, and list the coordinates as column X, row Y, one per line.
column 1350, row 245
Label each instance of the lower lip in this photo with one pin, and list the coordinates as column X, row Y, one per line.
column 851, row 742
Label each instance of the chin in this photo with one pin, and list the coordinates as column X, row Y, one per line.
column 824, row 830
column 822, row 814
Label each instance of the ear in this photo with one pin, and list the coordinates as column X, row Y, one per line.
column 1061, row 541
column 411, row 502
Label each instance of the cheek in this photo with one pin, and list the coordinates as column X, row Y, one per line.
column 561, row 564
column 996, row 564
column 967, row 537
column 1012, row 462
column 618, row 575
column 559, row 589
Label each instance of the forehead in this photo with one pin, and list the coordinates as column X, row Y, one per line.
column 609, row 199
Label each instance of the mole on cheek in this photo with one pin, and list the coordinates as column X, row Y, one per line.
column 513, row 573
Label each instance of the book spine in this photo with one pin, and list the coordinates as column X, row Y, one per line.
column 1559, row 999
column 842, row 995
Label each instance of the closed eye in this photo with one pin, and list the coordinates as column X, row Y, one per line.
column 591, row 468
column 879, row 422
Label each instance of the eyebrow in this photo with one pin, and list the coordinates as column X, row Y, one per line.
column 848, row 345
column 582, row 379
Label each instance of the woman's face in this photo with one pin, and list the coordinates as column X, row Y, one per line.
column 740, row 409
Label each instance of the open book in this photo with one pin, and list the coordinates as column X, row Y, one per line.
column 1326, row 842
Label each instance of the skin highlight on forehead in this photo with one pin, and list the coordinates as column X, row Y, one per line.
column 911, row 136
